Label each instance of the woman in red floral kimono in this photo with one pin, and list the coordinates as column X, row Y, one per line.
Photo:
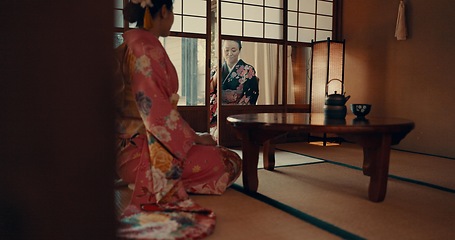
column 158, row 152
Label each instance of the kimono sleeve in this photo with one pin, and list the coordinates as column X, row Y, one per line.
column 251, row 86
column 151, row 87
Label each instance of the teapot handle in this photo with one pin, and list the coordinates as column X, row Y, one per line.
column 327, row 85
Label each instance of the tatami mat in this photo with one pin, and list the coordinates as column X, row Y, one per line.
column 333, row 193
column 428, row 169
column 244, row 218
column 285, row 158
column 338, row 195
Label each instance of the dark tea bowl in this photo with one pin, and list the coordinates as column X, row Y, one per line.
column 360, row 110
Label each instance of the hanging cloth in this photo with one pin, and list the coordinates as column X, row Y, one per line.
column 400, row 29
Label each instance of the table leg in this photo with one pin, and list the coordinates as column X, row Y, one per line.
column 250, row 155
column 251, row 140
column 368, row 154
column 269, row 155
column 376, row 165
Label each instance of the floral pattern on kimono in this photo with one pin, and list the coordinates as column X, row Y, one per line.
column 157, row 150
column 239, row 86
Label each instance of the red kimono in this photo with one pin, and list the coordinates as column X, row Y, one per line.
column 157, row 151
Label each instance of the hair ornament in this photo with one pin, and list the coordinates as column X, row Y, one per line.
column 148, row 21
column 144, row 3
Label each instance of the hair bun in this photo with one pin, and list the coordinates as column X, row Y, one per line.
column 133, row 12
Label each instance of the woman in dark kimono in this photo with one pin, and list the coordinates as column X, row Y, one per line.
column 239, row 82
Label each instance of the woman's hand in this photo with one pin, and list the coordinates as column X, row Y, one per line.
column 229, row 96
column 204, row 139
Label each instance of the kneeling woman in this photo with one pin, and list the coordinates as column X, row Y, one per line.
column 158, row 151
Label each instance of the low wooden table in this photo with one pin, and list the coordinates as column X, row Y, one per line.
column 375, row 135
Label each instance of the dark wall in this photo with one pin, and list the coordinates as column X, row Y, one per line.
column 56, row 127
column 409, row 79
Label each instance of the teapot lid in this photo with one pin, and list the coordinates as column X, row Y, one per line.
column 335, row 95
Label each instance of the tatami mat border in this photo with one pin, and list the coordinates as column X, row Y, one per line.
column 360, row 169
column 420, row 153
column 299, row 214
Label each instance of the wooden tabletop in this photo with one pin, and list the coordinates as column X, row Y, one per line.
column 317, row 122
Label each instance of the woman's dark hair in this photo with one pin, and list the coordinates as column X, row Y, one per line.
column 135, row 13
column 239, row 43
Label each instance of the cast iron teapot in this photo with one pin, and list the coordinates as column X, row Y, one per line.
column 334, row 107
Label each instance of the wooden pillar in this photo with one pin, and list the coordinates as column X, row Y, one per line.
column 56, row 120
